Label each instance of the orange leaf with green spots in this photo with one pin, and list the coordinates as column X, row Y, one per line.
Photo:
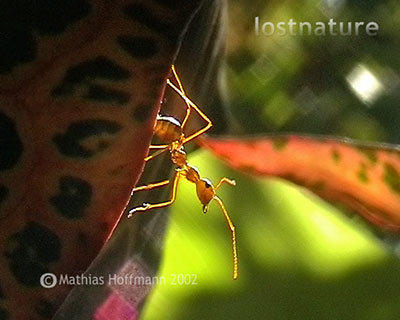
column 364, row 177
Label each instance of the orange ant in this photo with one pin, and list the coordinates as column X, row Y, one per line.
column 170, row 131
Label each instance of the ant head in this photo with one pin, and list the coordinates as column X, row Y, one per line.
column 205, row 192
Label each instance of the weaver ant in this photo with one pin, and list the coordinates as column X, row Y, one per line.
column 171, row 132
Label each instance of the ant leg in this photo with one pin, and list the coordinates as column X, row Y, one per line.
column 178, row 79
column 155, row 154
column 150, row 186
column 190, row 105
column 225, row 180
column 158, row 146
column 182, row 91
column 182, row 94
column 149, row 206
column 233, row 232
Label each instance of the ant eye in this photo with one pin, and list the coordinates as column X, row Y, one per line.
column 207, row 183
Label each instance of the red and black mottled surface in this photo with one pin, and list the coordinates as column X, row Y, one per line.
column 80, row 86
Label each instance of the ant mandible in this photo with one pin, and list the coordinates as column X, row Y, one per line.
column 171, row 132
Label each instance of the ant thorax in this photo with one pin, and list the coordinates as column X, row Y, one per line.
column 178, row 155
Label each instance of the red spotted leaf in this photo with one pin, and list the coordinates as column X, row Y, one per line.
column 80, row 86
column 364, row 177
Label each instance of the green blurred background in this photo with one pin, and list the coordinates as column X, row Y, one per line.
column 300, row 258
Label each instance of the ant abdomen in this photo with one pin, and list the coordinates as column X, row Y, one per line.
column 168, row 129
